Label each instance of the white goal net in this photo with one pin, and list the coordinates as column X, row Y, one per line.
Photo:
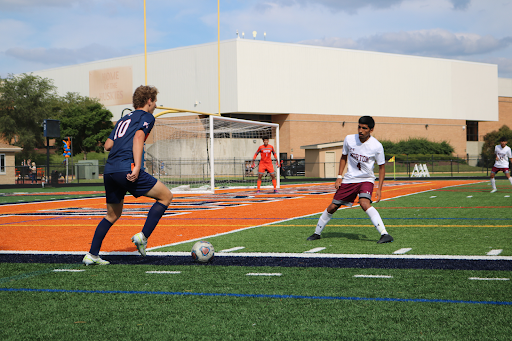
column 184, row 150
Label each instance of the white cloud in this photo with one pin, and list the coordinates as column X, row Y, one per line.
column 64, row 56
column 436, row 42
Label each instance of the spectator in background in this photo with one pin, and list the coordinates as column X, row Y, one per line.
column 33, row 172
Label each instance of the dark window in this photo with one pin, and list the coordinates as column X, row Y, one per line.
column 471, row 131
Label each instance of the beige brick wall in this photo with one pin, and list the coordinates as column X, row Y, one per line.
column 505, row 110
column 9, row 178
column 298, row 130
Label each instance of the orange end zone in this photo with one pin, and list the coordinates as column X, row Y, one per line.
column 69, row 225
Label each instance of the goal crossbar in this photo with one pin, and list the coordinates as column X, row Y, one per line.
column 175, row 111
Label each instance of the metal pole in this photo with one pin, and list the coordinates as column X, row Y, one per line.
column 145, row 47
column 47, row 160
column 278, row 175
column 212, row 156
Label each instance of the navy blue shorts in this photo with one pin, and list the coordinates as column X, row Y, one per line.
column 116, row 186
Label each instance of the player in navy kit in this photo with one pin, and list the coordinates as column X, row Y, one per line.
column 124, row 172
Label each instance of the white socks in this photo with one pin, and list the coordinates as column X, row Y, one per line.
column 376, row 220
column 372, row 213
column 510, row 179
column 493, row 183
column 322, row 221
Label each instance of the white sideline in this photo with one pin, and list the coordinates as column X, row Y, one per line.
column 270, row 254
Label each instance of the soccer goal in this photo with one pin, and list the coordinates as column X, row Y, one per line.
column 185, row 150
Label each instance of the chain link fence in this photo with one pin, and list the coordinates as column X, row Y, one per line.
column 91, row 171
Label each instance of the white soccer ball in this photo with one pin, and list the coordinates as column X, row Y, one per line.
column 202, row 251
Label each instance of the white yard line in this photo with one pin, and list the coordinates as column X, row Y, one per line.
column 233, row 249
column 494, row 252
column 316, row 249
column 402, row 251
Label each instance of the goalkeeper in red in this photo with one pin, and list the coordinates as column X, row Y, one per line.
column 266, row 152
column 360, row 152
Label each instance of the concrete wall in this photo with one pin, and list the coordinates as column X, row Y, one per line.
column 9, row 177
column 190, row 156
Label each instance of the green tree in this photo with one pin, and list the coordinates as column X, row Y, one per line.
column 87, row 121
column 490, row 141
column 25, row 101
column 417, row 146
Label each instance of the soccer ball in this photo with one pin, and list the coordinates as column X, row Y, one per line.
column 202, row 251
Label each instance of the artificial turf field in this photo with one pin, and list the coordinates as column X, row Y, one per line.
column 446, row 276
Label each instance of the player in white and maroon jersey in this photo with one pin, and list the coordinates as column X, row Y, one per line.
column 360, row 152
column 503, row 155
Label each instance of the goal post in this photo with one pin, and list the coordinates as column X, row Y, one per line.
column 198, row 154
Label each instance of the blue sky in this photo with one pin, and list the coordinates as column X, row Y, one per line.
column 43, row 34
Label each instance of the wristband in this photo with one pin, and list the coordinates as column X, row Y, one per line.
column 340, row 176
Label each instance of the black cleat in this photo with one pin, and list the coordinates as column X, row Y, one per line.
column 314, row 236
column 385, row 238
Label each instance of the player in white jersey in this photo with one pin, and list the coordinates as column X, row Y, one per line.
column 503, row 155
column 360, row 152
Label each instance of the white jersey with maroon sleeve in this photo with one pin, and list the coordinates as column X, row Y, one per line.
column 361, row 158
column 503, row 154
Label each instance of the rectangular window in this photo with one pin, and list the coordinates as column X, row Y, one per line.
column 471, row 131
column 2, row 163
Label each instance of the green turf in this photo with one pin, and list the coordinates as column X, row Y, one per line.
column 42, row 315
column 442, row 222
column 449, row 224
column 19, row 195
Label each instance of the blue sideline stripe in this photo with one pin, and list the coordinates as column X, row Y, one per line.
column 256, row 296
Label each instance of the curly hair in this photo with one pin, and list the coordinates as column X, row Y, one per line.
column 142, row 94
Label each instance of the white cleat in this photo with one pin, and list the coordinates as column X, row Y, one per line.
column 494, row 191
column 94, row 260
column 140, row 242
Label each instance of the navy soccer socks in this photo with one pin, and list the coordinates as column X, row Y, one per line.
column 155, row 213
column 99, row 235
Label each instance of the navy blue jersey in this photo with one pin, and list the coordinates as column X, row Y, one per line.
column 120, row 158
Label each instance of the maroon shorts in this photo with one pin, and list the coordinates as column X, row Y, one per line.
column 347, row 193
column 496, row 170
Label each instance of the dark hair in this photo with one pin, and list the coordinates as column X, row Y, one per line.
column 142, row 94
column 265, row 138
column 503, row 139
column 368, row 120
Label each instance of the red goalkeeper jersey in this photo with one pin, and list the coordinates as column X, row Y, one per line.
column 266, row 154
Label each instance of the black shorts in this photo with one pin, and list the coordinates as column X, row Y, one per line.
column 116, row 185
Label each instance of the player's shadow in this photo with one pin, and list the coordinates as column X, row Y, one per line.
column 342, row 235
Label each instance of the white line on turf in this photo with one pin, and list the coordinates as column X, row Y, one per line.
column 233, row 249
column 263, row 274
column 507, row 196
column 163, row 272
column 268, row 254
column 494, row 252
column 489, row 279
column 402, row 251
column 372, row 276
column 316, row 249
column 469, row 196
column 67, row 270
column 434, row 196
